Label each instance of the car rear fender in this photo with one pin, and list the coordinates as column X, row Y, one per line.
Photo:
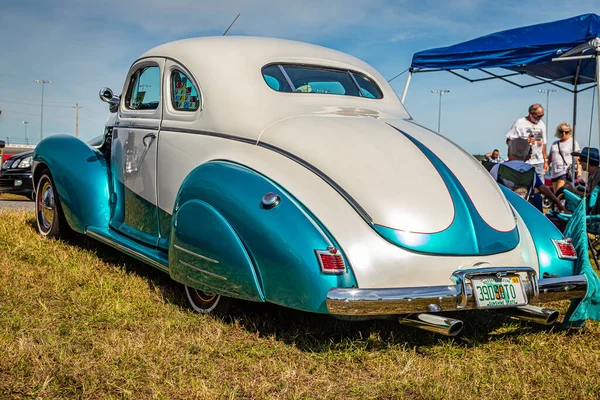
column 542, row 232
column 230, row 244
column 81, row 179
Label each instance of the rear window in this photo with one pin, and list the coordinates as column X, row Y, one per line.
column 312, row 79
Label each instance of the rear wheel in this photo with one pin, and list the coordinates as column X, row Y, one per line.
column 49, row 216
column 207, row 303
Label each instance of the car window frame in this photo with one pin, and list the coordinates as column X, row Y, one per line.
column 282, row 64
column 177, row 68
column 168, row 90
column 136, row 68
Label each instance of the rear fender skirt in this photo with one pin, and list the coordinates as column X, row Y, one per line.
column 280, row 242
column 81, row 177
column 206, row 253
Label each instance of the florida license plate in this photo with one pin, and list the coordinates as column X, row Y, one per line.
column 493, row 292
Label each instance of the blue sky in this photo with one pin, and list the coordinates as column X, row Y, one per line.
column 82, row 46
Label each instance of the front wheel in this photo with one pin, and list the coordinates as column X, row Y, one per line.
column 207, row 303
column 50, row 219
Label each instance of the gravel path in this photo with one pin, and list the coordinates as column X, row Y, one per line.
column 17, row 204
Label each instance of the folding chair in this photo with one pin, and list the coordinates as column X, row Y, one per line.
column 523, row 180
column 488, row 165
column 592, row 218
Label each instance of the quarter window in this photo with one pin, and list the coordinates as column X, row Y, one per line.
column 184, row 95
column 144, row 89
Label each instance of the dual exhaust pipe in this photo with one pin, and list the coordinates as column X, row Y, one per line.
column 451, row 327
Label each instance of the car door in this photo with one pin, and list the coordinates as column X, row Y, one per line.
column 134, row 153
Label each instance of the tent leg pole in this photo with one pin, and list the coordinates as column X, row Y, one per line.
column 573, row 170
column 406, row 86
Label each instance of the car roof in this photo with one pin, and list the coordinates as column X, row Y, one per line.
column 248, row 50
column 228, row 71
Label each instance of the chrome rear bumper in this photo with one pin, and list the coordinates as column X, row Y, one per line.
column 392, row 301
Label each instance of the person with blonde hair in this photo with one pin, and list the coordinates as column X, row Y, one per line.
column 560, row 157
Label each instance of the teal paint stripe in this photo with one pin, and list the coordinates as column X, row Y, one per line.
column 467, row 235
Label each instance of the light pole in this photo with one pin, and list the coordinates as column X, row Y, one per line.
column 441, row 92
column 547, row 91
column 26, row 123
column 42, row 81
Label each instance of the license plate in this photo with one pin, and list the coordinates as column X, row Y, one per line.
column 494, row 292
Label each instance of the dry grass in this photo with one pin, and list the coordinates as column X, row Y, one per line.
column 8, row 196
column 79, row 320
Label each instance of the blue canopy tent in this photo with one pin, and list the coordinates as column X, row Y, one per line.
column 562, row 53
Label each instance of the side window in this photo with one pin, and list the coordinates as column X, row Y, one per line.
column 184, row 95
column 144, row 89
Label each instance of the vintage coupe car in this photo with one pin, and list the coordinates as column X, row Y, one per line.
column 275, row 171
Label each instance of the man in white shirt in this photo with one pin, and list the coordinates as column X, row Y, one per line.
column 533, row 129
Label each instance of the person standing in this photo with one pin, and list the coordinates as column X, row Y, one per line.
column 560, row 157
column 533, row 129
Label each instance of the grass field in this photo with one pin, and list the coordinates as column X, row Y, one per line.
column 8, row 196
column 80, row 320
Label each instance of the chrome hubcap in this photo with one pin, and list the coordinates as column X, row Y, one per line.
column 204, row 298
column 46, row 206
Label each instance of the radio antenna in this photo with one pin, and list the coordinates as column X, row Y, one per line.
column 231, row 24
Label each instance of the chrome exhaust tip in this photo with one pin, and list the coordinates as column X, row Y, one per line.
column 433, row 323
column 539, row 315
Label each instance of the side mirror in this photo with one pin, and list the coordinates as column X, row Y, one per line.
column 107, row 96
column 2, row 144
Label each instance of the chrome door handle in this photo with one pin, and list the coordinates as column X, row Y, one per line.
column 151, row 136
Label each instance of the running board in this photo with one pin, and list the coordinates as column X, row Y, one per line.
column 149, row 255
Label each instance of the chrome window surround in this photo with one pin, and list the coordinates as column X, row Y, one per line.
column 351, row 73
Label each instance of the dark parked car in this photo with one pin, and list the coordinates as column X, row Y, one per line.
column 15, row 175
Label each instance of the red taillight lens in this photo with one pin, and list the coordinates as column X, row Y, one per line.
column 565, row 248
column 331, row 261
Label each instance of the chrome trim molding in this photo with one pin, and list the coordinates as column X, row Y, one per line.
column 136, row 126
column 127, row 250
column 219, row 290
column 191, row 253
column 202, row 271
column 207, row 133
column 407, row 300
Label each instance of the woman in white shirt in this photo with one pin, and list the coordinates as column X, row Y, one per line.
column 560, row 156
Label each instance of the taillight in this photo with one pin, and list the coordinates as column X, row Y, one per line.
column 331, row 261
column 565, row 248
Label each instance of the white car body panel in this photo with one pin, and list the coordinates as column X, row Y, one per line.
column 375, row 262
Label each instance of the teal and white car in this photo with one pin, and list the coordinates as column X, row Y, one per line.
column 275, row 171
